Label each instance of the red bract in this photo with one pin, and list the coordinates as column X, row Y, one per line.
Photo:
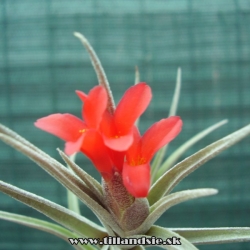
column 136, row 169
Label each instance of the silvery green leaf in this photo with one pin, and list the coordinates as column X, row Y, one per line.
column 105, row 247
column 92, row 183
column 175, row 101
column 17, row 137
column 12, row 134
column 138, row 248
column 114, row 248
column 157, row 162
column 53, row 167
column 169, row 201
column 73, row 201
column 42, row 225
column 65, row 177
column 102, row 79
column 62, row 215
column 137, row 75
column 172, row 159
column 176, row 198
column 214, row 235
column 173, row 108
column 174, row 175
column 109, row 229
column 163, row 233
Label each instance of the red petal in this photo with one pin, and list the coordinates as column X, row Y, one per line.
column 117, row 159
column 159, row 134
column 121, row 143
column 94, row 105
column 131, row 106
column 95, row 149
column 74, row 147
column 82, row 95
column 134, row 151
column 136, row 179
column 64, row 126
column 107, row 125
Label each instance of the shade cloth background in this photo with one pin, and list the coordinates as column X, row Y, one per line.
column 42, row 64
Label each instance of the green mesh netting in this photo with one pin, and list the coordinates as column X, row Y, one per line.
column 42, row 64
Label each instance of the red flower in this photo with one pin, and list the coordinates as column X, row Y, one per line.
column 107, row 139
column 84, row 135
column 136, row 169
column 116, row 128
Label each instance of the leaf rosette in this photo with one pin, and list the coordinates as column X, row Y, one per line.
column 133, row 195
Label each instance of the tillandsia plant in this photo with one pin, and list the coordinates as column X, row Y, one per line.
column 133, row 195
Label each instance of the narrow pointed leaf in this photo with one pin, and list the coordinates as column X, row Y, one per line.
column 157, row 162
column 138, row 248
column 163, row 233
column 214, row 235
column 169, row 201
column 102, row 79
column 176, row 198
column 172, row 112
column 137, row 75
column 175, row 101
column 109, row 229
column 23, row 142
column 73, row 202
column 17, row 137
column 92, row 183
column 89, row 247
column 103, row 215
column 64, row 216
column 172, row 159
column 105, row 247
column 54, row 168
column 114, row 248
column 174, row 175
column 68, row 179
column 42, row 225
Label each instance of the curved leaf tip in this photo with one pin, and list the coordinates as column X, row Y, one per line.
column 102, row 79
